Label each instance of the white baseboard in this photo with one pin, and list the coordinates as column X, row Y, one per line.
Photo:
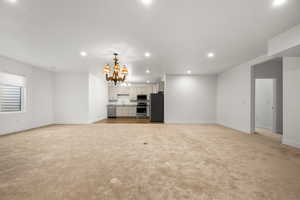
column 27, row 129
column 291, row 143
column 234, row 128
column 264, row 127
column 189, row 122
column 96, row 120
column 70, row 122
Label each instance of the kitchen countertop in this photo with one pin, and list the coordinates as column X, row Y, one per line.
column 124, row 105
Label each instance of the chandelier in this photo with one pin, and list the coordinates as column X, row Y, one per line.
column 115, row 75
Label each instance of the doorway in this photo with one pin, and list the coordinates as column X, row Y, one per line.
column 265, row 105
column 267, row 97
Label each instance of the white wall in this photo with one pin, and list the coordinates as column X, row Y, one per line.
column 62, row 98
column 234, row 94
column 39, row 97
column 264, row 103
column 233, row 98
column 291, row 99
column 98, row 97
column 72, row 98
column 80, row 98
column 190, row 99
column 236, row 85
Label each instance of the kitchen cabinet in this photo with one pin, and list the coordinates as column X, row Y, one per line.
column 132, row 91
column 156, row 88
column 112, row 93
column 123, row 90
column 111, row 111
column 161, row 86
column 121, row 112
column 126, row 111
column 132, row 111
column 149, row 90
column 120, row 97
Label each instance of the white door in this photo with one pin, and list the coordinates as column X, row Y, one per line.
column 265, row 104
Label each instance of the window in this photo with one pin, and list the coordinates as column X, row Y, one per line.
column 11, row 93
column 10, row 98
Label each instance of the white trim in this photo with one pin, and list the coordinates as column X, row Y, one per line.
column 225, row 126
column 27, row 129
column 13, row 113
column 71, row 123
column 291, row 143
column 93, row 121
column 189, row 122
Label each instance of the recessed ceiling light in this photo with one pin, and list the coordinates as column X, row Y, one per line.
column 210, row 55
column 12, row 1
column 148, row 81
column 188, row 71
column 278, row 2
column 147, row 2
column 83, row 53
column 148, row 71
column 147, row 54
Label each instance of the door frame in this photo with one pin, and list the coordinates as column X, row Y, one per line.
column 280, row 108
column 275, row 106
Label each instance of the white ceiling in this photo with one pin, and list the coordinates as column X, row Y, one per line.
column 178, row 33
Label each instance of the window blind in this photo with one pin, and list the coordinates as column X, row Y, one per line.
column 10, row 98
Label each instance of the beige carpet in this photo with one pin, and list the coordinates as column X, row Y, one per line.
column 112, row 161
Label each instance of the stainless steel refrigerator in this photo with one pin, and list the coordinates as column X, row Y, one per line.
column 157, row 107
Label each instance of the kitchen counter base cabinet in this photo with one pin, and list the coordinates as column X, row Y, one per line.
column 111, row 111
column 114, row 111
column 121, row 111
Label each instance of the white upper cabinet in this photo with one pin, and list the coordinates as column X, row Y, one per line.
column 132, row 91
column 112, row 93
column 155, row 88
